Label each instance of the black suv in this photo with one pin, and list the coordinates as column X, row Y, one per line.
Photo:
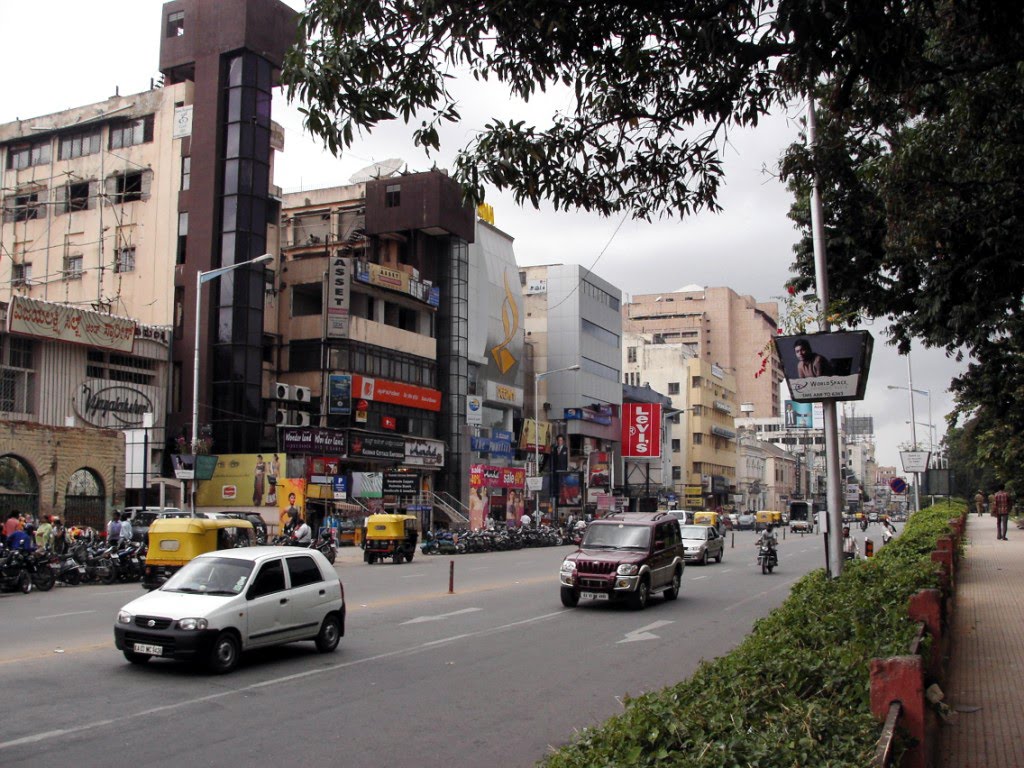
column 625, row 557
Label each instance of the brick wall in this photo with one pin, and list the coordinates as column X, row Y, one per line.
column 54, row 454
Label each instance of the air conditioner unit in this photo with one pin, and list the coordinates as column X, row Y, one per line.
column 283, row 418
column 300, row 418
column 301, row 394
column 282, row 391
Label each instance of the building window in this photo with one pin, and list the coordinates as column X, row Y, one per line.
column 182, row 236
column 698, row 438
column 115, row 366
column 21, row 274
column 128, row 133
column 79, row 145
column 128, row 187
column 26, row 155
column 673, row 387
column 73, row 267
column 76, row 197
column 307, row 299
column 676, row 446
column 630, row 354
column 392, row 195
column 124, row 260
column 697, row 383
column 16, row 375
column 186, row 172
column 175, row 24
column 26, row 207
column 677, row 473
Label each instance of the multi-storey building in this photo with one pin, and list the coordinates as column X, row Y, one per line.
column 572, row 320
column 720, row 327
column 709, row 422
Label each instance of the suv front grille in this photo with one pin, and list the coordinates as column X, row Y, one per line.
column 158, row 623
column 595, row 566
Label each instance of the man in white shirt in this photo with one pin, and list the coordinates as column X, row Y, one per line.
column 302, row 535
column 126, row 531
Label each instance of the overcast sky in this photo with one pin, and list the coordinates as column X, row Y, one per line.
column 92, row 48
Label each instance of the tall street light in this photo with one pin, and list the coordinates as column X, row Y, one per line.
column 913, row 424
column 536, row 424
column 204, row 277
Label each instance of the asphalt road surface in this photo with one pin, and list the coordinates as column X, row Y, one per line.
column 494, row 674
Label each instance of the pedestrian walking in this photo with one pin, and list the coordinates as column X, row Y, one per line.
column 1001, row 511
column 979, row 502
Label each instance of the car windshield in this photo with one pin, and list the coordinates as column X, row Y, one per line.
column 694, row 531
column 211, row 576
column 620, row 536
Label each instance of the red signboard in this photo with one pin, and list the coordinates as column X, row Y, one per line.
column 396, row 393
column 484, row 476
column 641, row 431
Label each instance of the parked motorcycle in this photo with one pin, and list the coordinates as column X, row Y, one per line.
column 767, row 557
column 67, row 570
column 325, row 543
column 38, row 566
column 14, row 573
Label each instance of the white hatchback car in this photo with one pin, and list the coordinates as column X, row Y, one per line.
column 229, row 601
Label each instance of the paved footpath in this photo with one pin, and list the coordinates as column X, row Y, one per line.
column 985, row 685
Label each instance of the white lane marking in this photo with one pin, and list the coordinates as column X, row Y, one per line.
column 59, row 615
column 644, row 633
column 37, row 737
column 439, row 616
column 697, row 578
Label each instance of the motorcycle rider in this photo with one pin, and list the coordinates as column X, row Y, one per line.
column 888, row 531
column 302, row 535
column 771, row 541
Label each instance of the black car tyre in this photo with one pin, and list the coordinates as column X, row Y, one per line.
column 73, row 578
column 704, row 557
column 397, row 558
column 330, row 634
column 570, row 597
column 136, row 658
column 642, row 594
column 720, row 555
column 673, row 591
column 223, row 654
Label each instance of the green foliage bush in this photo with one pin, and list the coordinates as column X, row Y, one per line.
column 796, row 691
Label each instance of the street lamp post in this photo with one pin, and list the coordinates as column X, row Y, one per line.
column 536, row 424
column 913, row 426
column 204, row 277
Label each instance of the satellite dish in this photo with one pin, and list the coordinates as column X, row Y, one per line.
column 385, row 169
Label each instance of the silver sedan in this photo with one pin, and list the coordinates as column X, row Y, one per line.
column 702, row 543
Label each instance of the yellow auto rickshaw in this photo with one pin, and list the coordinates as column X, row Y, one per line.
column 393, row 536
column 707, row 517
column 765, row 517
column 175, row 541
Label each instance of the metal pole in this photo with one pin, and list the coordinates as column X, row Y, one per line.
column 834, row 557
column 536, row 441
column 913, row 434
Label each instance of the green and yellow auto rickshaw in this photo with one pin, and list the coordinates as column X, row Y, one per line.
column 390, row 536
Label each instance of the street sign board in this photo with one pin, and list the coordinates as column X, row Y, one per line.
column 915, row 461
column 898, row 485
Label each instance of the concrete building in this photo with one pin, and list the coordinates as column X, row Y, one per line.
column 721, row 328
column 572, row 317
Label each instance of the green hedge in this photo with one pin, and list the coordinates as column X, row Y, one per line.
column 795, row 692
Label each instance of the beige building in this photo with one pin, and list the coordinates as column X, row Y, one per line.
column 721, row 328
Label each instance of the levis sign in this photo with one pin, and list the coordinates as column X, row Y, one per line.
column 641, row 431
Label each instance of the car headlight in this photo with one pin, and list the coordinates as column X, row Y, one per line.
column 123, row 617
column 628, row 569
column 192, row 624
column 568, row 566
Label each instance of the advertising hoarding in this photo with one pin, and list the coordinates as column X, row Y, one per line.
column 826, row 366
column 641, row 431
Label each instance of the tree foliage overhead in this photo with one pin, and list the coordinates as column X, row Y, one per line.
column 656, row 85
column 920, row 152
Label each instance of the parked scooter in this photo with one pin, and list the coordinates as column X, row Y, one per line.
column 14, row 573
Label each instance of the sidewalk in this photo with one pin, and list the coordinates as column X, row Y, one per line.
column 985, row 683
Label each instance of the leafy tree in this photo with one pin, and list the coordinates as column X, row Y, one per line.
column 920, row 156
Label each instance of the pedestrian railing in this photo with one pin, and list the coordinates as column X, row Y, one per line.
column 899, row 684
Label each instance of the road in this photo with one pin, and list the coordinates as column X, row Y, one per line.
column 493, row 674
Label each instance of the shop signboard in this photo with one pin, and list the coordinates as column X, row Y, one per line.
column 401, row 484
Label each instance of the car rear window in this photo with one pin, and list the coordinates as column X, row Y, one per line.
column 303, row 571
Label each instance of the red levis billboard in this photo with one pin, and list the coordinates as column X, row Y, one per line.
column 641, row 431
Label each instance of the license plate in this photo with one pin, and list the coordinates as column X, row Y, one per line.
column 594, row 595
column 152, row 650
